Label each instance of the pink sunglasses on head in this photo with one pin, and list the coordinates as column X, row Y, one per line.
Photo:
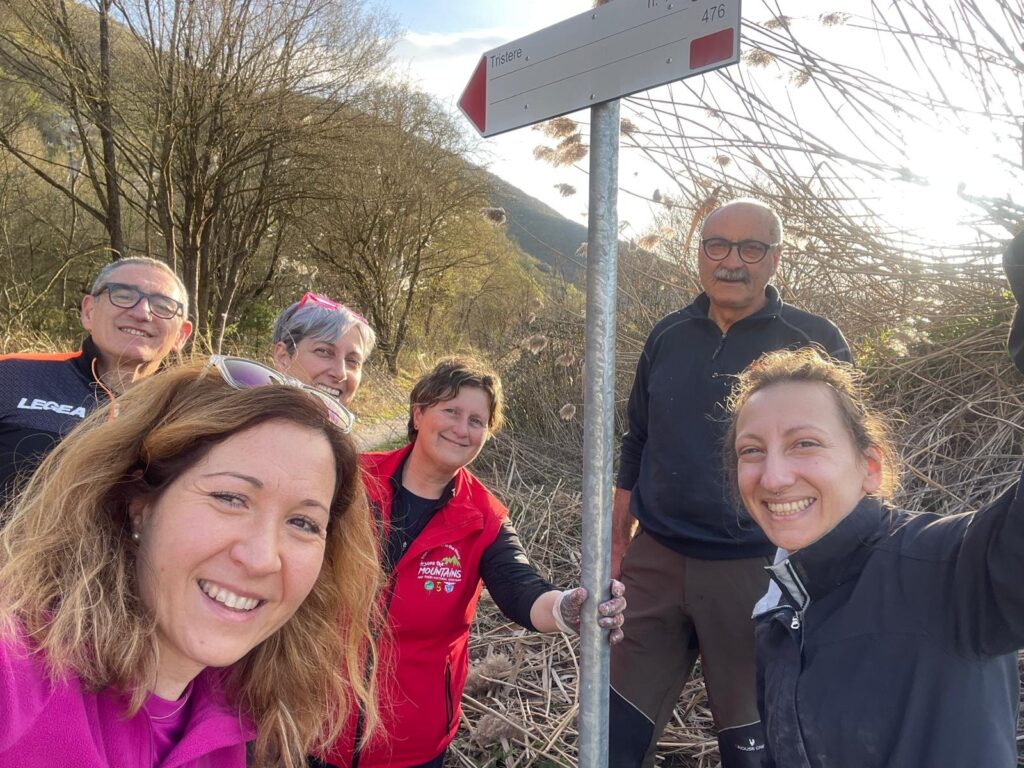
column 322, row 301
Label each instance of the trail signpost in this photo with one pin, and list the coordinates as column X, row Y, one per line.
column 612, row 51
column 593, row 59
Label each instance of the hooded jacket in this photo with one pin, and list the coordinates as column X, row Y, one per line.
column 430, row 601
column 46, row 723
column 894, row 642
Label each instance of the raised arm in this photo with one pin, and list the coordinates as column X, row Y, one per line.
column 1013, row 265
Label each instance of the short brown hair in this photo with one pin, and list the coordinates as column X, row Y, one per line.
column 868, row 427
column 67, row 561
column 447, row 378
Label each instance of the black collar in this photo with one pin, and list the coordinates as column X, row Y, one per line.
column 835, row 558
column 84, row 362
column 396, row 482
column 773, row 305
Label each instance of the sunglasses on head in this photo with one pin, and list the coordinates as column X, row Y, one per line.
column 241, row 373
column 320, row 300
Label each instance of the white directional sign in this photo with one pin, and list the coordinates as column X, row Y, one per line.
column 612, row 51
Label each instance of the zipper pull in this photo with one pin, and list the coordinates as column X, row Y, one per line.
column 795, row 623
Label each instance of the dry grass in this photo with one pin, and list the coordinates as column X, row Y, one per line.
column 960, row 427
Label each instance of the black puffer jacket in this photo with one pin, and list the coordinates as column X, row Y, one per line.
column 893, row 644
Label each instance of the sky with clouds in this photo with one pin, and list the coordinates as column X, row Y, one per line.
column 441, row 45
column 443, row 40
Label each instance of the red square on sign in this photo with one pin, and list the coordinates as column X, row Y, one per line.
column 711, row 48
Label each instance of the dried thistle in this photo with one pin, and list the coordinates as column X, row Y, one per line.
column 536, row 343
column 627, row 127
column 581, row 252
column 558, row 128
column 755, row 58
column 800, row 78
column 565, row 359
column 567, row 412
column 492, row 729
column 568, row 152
column 647, row 242
column 484, row 674
column 496, row 216
column 565, row 190
column 723, row 160
column 543, row 153
column 834, row 19
column 779, row 22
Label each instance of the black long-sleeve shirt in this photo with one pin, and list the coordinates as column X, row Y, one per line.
column 505, row 569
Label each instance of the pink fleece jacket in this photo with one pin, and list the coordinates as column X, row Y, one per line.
column 46, row 723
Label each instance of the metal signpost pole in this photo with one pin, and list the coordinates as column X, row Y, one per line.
column 598, row 426
column 593, row 59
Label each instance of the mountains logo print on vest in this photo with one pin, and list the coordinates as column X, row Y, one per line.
column 440, row 569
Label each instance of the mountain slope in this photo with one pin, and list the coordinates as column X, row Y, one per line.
column 540, row 231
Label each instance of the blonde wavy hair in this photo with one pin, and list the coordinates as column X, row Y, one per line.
column 68, row 567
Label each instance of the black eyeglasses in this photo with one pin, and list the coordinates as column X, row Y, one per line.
column 127, row 296
column 750, row 251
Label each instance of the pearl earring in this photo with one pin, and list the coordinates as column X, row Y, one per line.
column 136, row 537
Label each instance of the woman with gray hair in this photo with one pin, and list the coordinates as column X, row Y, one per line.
column 324, row 344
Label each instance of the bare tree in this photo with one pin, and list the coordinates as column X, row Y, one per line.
column 394, row 205
column 201, row 116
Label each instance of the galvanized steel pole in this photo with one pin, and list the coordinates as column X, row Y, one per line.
column 599, row 426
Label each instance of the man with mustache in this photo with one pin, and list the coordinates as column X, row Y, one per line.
column 695, row 568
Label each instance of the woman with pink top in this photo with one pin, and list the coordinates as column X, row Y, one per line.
column 190, row 573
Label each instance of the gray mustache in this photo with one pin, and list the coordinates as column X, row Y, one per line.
column 723, row 273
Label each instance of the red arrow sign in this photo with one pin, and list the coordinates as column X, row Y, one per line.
column 606, row 53
column 473, row 101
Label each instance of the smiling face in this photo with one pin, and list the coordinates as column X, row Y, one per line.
column 798, row 469
column 231, row 548
column 735, row 288
column 335, row 367
column 451, row 433
column 127, row 338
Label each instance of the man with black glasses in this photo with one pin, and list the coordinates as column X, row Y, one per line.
column 136, row 315
column 695, row 568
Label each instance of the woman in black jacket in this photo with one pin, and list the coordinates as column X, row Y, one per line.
column 887, row 639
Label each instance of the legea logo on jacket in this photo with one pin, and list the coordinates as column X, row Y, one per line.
column 50, row 405
column 440, row 569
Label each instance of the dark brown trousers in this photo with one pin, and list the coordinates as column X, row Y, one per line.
column 680, row 608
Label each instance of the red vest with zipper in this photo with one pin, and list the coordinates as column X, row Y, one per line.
column 430, row 601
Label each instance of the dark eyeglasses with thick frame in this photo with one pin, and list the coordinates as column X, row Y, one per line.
column 128, row 296
column 750, row 251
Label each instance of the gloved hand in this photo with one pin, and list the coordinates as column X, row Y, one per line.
column 569, row 605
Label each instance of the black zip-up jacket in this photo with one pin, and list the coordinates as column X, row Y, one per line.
column 894, row 642
column 671, row 454
column 42, row 398
column 1013, row 264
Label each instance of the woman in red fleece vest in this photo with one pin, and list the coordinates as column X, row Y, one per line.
column 446, row 535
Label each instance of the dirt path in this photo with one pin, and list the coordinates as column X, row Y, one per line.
column 370, row 437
